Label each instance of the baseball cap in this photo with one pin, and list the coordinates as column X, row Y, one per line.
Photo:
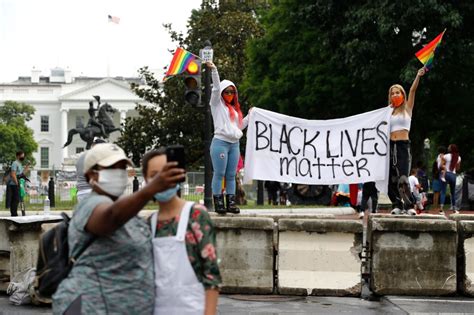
column 105, row 155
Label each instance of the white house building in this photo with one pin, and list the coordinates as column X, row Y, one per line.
column 61, row 102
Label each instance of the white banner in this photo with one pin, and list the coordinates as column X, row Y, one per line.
column 318, row 152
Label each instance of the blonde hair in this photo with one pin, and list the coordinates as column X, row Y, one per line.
column 398, row 86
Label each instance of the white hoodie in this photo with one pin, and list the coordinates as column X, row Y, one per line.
column 224, row 128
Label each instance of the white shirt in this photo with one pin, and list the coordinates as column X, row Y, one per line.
column 448, row 157
column 413, row 183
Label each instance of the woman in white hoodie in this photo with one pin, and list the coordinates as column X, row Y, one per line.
column 225, row 152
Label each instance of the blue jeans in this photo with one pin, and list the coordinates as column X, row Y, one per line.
column 225, row 157
column 451, row 181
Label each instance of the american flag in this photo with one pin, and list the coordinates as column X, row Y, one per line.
column 114, row 19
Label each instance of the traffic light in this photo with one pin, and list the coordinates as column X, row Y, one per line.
column 192, row 84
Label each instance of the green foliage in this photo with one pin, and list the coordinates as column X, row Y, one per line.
column 169, row 120
column 14, row 134
column 327, row 59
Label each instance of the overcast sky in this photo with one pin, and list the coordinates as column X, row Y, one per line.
column 76, row 34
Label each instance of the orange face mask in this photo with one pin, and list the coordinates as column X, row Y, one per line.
column 397, row 100
column 228, row 98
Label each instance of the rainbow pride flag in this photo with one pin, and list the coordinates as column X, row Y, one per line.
column 180, row 61
column 426, row 54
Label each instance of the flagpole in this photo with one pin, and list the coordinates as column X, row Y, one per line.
column 109, row 36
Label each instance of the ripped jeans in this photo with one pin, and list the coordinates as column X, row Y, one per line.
column 225, row 157
column 400, row 160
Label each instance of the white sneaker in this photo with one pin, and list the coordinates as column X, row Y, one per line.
column 361, row 215
column 396, row 211
column 411, row 212
column 456, row 211
column 441, row 212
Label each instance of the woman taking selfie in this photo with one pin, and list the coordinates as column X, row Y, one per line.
column 114, row 274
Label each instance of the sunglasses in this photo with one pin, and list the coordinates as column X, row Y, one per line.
column 229, row 92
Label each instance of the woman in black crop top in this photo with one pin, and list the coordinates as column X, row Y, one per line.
column 400, row 145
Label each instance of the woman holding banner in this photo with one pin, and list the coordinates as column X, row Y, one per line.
column 400, row 157
column 228, row 125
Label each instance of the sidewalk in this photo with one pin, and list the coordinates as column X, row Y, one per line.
column 274, row 304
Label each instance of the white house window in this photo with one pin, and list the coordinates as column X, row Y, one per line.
column 44, row 155
column 44, row 123
column 79, row 150
column 79, row 121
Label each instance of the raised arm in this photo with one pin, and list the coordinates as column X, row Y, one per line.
column 216, row 85
column 411, row 95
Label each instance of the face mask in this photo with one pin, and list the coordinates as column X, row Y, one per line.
column 397, row 100
column 113, row 181
column 167, row 195
column 22, row 158
column 228, row 98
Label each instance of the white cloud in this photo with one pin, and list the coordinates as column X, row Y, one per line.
column 76, row 34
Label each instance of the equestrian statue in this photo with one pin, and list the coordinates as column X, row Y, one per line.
column 100, row 125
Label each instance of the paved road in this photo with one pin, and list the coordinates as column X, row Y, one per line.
column 276, row 305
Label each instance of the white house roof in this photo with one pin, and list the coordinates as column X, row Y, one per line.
column 106, row 88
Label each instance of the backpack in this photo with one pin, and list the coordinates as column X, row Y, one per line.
column 54, row 263
column 6, row 175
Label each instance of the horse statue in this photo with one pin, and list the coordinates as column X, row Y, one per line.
column 88, row 133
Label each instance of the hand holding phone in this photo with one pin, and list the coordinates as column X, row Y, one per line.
column 176, row 153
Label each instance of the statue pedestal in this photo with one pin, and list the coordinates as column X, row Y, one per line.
column 69, row 163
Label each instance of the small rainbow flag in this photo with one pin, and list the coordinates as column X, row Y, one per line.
column 426, row 54
column 180, row 61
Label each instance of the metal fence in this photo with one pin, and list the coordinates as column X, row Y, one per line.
column 65, row 192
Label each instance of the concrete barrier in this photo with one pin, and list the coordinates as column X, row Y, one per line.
column 373, row 216
column 466, row 257
column 319, row 257
column 413, row 257
column 19, row 239
column 246, row 254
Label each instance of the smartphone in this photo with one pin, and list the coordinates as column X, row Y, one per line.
column 176, row 153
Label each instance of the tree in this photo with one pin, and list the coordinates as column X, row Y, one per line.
column 327, row 59
column 168, row 120
column 14, row 134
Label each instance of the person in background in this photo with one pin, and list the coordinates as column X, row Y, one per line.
column 187, row 276
column 436, row 186
column 225, row 152
column 369, row 191
column 83, row 187
column 421, row 175
column 272, row 191
column 400, row 123
column 416, row 189
column 13, row 183
column 114, row 274
column 452, row 161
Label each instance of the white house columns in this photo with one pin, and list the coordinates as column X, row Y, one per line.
column 64, row 131
column 123, row 115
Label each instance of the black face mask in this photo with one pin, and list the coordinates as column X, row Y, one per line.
column 22, row 158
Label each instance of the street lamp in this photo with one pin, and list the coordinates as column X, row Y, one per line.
column 426, row 148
